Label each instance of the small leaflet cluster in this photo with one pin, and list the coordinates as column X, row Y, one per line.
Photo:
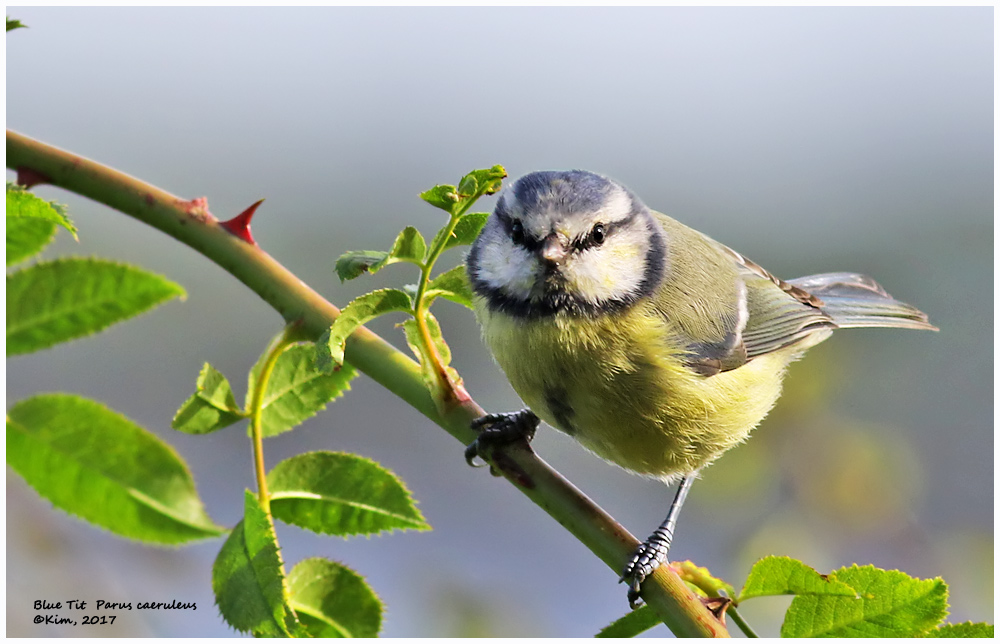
column 423, row 333
column 102, row 467
column 854, row 601
column 329, row 493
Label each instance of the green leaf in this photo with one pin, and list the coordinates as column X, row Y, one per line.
column 444, row 197
column 296, row 390
column 211, row 407
column 409, row 246
column 467, row 186
column 786, row 576
column 22, row 204
column 482, row 182
column 465, row 231
column 53, row 302
column 472, row 186
column 361, row 310
column 451, row 285
column 15, row 24
column 105, row 469
column 638, row 621
column 248, row 578
column 965, row 629
column 356, row 262
column 415, row 341
column 434, row 330
column 27, row 237
column 31, row 223
column 890, row 604
column 341, row 494
column 332, row 600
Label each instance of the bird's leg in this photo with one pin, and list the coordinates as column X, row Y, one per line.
column 653, row 550
column 500, row 429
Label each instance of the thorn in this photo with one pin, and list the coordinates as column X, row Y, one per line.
column 717, row 606
column 240, row 224
column 30, row 178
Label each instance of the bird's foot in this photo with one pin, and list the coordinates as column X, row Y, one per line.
column 647, row 558
column 501, row 429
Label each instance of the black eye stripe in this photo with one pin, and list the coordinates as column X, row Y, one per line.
column 557, row 300
column 594, row 237
column 520, row 237
column 515, row 230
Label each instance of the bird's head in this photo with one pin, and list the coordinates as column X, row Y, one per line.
column 572, row 241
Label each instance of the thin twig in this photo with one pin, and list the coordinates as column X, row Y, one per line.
column 257, row 411
column 740, row 622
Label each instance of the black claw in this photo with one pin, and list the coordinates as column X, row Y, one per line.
column 634, row 601
column 646, row 559
column 471, row 452
column 500, row 429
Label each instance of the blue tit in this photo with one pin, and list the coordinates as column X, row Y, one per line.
column 654, row 346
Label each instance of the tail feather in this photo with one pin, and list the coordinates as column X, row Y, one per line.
column 854, row 300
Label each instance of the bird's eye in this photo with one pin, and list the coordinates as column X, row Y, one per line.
column 597, row 234
column 517, row 232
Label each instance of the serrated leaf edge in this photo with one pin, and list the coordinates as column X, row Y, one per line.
column 176, row 290
column 131, row 491
column 298, row 607
column 419, row 523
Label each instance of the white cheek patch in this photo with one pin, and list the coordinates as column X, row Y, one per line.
column 614, row 271
column 507, row 268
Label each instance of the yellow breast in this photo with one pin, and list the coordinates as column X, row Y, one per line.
column 616, row 384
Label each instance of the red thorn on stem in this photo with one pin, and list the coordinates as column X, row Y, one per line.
column 30, row 178
column 240, row 224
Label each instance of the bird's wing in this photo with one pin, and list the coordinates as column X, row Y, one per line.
column 726, row 351
column 779, row 314
column 702, row 297
column 748, row 313
column 773, row 314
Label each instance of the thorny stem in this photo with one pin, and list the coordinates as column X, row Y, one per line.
column 190, row 223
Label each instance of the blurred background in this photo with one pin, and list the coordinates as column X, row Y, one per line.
column 809, row 139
